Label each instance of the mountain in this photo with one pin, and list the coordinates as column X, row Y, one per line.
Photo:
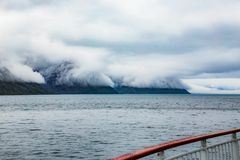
column 19, row 88
column 60, row 79
column 135, row 90
column 78, row 89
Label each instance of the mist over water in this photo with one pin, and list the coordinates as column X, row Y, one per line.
column 104, row 126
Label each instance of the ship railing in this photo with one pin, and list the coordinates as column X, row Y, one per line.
column 227, row 150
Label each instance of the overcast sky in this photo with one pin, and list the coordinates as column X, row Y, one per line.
column 142, row 42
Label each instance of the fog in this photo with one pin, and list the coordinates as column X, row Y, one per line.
column 110, row 43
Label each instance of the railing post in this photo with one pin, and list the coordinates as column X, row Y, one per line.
column 161, row 155
column 235, row 147
column 204, row 152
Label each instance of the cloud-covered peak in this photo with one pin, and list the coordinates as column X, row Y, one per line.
column 138, row 42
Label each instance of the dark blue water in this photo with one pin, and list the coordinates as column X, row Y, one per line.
column 103, row 126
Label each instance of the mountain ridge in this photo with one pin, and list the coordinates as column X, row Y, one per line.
column 61, row 79
column 24, row 88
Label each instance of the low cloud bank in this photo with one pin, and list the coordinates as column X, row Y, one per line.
column 102, row 68
column 214, row 85
column 140, row 43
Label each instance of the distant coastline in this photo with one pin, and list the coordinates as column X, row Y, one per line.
column 19, row 88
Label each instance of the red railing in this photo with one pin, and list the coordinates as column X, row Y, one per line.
column 171, row 144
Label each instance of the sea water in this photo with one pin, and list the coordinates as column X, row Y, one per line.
column 103, row 126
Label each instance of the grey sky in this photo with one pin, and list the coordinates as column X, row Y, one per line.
column 138, row 41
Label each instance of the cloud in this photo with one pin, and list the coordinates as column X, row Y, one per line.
column 137, row 43
column 214, row 85
column 24, row 73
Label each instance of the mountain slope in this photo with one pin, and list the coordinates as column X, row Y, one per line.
column 134, row 90
column 78, row 89
column 60, row 80
column 18, row 88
